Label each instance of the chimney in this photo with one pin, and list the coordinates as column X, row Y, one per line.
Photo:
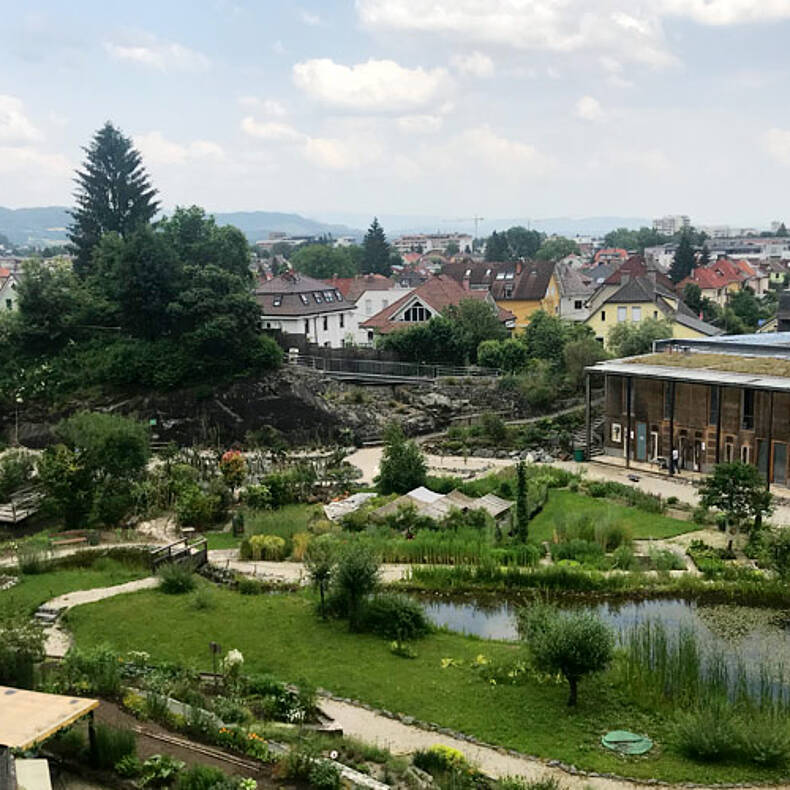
column 518, row 267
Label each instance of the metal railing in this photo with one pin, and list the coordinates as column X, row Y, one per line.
column 196, row 553
column 387, row 369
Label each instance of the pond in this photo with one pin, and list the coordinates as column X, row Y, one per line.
column 749, row 633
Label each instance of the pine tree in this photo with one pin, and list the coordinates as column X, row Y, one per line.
column 683, row 262
column 113, row 194
column 376, row 251
column 704, row 256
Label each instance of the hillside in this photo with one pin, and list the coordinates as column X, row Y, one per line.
column 41, row 225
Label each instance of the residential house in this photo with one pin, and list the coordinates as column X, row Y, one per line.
column 9, row 295
column 370, row 294
column 661, row 256
column 634, row 299
column 778, row 273
column 714, row 400
column 432, row 242
column 575, row 290
column 423, row 303
column 723, row 277
column 300, row 305
column 610, row 255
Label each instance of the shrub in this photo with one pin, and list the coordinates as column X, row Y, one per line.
column 197, row 508
column 666, row 560
column 175, row 579
column 611, row 535
column 519, row 783
column 201, row 777
column 129, row 766
column 766, row 740
column 267, row 547
column 297, row 763
column 160, row 770
column 708, row 734
column 204, row 598
column 231, row 711
column 324, row 775
column 113, row 745
column 94, row 670
column 402, row 466
column 247, row 586
column 583, row 551
column 438, row 759
column 395, row 617
column 258, row 497
column 623, row 558
column 31, row 559
column 301, row 540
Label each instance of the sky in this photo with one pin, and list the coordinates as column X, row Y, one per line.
column 448, row 108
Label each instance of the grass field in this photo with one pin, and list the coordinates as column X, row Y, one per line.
column 281, row 634
column 562, row 503
column 33, row 590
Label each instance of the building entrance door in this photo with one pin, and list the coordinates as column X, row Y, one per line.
column 779, row 465
column 698, row 455
column 762, row 457
column 641, row 441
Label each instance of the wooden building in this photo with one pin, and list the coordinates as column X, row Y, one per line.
column 714, row 400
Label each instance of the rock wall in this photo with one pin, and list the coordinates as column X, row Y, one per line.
column 301, row 404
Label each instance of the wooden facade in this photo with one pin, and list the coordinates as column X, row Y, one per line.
column 708, row 423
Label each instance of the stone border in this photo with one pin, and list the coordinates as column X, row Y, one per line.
column 569, row 769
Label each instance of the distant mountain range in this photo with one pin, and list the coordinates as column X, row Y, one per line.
column 47, row 224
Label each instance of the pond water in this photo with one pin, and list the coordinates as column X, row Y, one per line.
column 750, row 633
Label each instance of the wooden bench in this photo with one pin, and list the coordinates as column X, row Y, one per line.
column 67, row 542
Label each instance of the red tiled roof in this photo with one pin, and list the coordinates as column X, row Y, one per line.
column 438, row 292
column 353, row 287
column 718, row 274
column 609, row 252
column 5, row 272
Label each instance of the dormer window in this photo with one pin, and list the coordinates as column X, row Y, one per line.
column 509, row 275
column 500, row 275
column 278, row 300
column 318, row 298
column 304, row 299
column 328, row 296
column 338, row 296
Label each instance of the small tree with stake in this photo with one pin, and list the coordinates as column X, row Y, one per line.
column 320, row 560
column 574, row 644
column 357, row 576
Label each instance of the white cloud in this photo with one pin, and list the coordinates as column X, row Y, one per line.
column 728, row 12
column 614, row 69
column 15, row 126
column 148, row 50
column 373, row 85
column 420, row 124
column 272, row 131
column 475, row 64
column 309, row 18
column 157, row 149
column 589, row 109
column 270, row 107
column 28, row 160
column 777, row 143
column 632, row 28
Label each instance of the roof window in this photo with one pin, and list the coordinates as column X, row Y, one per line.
column 278, row 300
column 304, row 298
column 500, row 275
column 338, row 296
column 328, row 296
column 509, row 275
column 318, row 298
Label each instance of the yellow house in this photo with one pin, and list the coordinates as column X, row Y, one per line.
column 637, row 299
column 526, row 288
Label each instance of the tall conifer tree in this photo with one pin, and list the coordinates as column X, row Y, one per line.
column 113, row 194
column 376, row 251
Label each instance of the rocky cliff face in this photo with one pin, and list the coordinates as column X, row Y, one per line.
column 301, row 404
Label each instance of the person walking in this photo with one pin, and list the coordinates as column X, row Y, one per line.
column 674, row 462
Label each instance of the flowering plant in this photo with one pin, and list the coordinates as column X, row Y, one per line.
column 233, row 468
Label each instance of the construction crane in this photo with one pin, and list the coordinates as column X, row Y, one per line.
column 477, row 220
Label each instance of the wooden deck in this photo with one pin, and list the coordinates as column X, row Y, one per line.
column 22, row 505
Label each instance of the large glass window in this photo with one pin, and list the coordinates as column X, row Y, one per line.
column 622, row 314
column 636, row 313
column 416, row 314
column 713, row 419
column 747, row 422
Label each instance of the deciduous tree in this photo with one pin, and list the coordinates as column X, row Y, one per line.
column 740, row 492
column 402, row 465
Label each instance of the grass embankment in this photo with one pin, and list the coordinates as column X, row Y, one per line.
column 562, row 503
column 281, row 634
column 34, row 589
column 284, row 522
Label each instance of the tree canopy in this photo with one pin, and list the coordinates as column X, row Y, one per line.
column 113, row 193
column 324, row 262
column 630, row 340
column 402, row 465
column 557, row 248
column 684, row 261
column 739, row 491
column 627, row 239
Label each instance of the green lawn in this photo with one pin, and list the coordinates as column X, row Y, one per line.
column 563, row 503
column 281, row 634
column 33, row 590
column 221, row 540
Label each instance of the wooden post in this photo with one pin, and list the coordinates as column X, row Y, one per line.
column 588, row 417
column 770, row 464
column 671, row 425
column 718, row 425
column 92, row 736
column 628, row 422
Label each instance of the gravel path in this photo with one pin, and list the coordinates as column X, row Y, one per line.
column 58, row 640
column 402, row 738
